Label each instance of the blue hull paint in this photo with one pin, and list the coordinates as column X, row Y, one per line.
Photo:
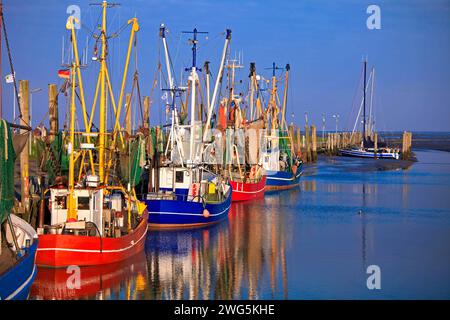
column 367, row 154
column 16, row 282
column 283, row 179
column 167, row 213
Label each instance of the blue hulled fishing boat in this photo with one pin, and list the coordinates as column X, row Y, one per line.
column 283, row 167
column 279, row 180
column 18, row 240
column 185, row 193
column 202, row 203
column 17, row 266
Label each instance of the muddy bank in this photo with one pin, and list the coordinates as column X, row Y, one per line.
column 350, row 164
column 423, row 140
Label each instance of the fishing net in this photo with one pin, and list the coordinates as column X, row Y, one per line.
column 7, row 159
column 132, row 162
column 285, row 147
column 56, row 159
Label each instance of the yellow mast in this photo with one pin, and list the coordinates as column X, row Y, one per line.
column 71, row 207
column 71, row 26
column 101, row 150
column 116, row 130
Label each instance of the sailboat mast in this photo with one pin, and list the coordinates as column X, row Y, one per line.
column 364, row 101
column 101, row 151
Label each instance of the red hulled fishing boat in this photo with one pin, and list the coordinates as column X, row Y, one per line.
column 94, row 219
column 248, row 189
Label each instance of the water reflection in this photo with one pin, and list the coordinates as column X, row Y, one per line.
column 123, row 280
column 238, row 258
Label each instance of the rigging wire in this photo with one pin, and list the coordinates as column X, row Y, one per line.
column 13, row 72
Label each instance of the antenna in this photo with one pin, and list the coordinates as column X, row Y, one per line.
column 194, row 42
column 109, row 5
column 274, row 68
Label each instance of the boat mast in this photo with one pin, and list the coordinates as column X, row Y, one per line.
column 272, row 103
column 194, row 79
column 216, row 86
column 252, row 88
column 71, row 208
column 283, row 114
column 162, row 34
column 364, row 102
column 101, row 150
column 371, row 121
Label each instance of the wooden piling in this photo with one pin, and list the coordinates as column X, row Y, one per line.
column 128, row 114
column 146, row 112
column 53, row 111
column 24, row 156
column 291, row 136
column 375, row 143
column 308, row 144
column 314, row 142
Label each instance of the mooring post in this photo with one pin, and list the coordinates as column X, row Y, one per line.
column 291, row 135
column 146, row 112
column 406, row 144
column 24, row 156
column 308, row 144
column 53, row 111
column 128, row 113
column 314, row 142
column 375, row 144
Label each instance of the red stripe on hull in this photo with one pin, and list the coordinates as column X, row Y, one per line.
column 248, row 191
column 66, row 250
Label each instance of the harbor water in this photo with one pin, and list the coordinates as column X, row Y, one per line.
column 315, row 242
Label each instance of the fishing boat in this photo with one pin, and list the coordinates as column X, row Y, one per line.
column 17, row 259
column 185, row 192
column 18, row 240
column 283, row 167
column 94, row 218
column 369, row 148
column 242, row 166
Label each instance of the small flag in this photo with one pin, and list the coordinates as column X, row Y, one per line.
column 65, row 74
column 9, row 78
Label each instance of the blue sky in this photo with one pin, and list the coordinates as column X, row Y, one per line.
column 323, row 40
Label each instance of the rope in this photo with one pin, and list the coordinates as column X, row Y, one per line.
column 12, row 69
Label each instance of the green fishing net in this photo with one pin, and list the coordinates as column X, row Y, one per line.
column 7, row 159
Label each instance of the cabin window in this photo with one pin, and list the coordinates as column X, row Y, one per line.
column 60, row 202
column 83, row 203
column 179, row 177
